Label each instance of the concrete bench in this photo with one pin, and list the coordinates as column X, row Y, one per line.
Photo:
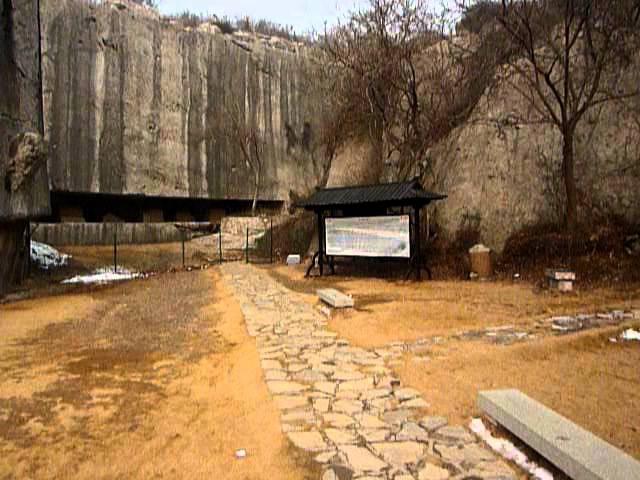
column 574, row 450
column 335, row 298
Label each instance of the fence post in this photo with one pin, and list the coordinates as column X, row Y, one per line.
column 28, row 249
column 220, row 244
column 246, row 247
column 271, row 240
column 115, row 248
column 182, row 236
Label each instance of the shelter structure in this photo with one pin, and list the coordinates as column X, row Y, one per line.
column 376, row 221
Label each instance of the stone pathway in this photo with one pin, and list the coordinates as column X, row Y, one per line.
column 342, row 403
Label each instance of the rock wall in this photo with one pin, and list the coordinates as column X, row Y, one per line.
column 135, row 104
column 24, row 189
column 65, row 234
column 502, row 174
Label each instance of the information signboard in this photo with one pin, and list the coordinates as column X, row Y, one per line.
column 386, row 236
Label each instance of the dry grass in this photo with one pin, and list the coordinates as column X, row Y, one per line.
column 390, row 310
column 145, row 258
column 584, row 377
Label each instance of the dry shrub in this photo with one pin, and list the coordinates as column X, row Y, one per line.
column 550, row 243
column 290, row 237
column 595, row 252
column 449, row 257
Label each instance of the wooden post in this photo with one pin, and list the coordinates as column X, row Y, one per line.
column 271, row 240
column 182, row 236
column 115, row 248
column 418, row 248
column 220, row 244
column 246, row 247
column 320, row 243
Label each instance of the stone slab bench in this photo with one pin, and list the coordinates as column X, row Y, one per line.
column 574, row 450
column 335, row 298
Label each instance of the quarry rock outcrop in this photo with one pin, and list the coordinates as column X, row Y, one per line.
column 139, row 104
column 24, row 189
column 502, row 173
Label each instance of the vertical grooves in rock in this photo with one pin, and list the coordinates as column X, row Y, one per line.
column 194, row 119
column 58, row 109
column 128, row 109
column 111, row 156
column 156, row 101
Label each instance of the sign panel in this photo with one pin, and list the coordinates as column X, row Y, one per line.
column 368, row 236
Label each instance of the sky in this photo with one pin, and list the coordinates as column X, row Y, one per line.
column 303, row 15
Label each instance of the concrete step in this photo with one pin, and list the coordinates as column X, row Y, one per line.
column 574, row 450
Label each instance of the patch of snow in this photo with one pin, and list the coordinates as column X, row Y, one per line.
column 47, row 257
column 508, row 450
column 105, row 275
column 630, row 334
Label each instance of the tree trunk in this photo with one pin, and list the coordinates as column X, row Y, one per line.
column 568, row 174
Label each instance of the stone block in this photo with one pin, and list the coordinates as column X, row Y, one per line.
column 572, row 449
column 555, row 274
column 335, row 298
column 561, row 280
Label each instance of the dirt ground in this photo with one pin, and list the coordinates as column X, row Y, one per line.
column 393, row 310
column 585, row 377
column 148, row 259
column 147, row 379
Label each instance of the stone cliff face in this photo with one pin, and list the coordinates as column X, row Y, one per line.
column 502, row 174
column 24, row 190
column 137, row 105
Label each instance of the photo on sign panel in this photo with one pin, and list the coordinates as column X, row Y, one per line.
column 386, row 236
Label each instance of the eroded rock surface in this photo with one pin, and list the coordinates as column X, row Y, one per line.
column 150, row 102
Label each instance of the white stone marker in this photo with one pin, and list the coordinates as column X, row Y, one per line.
column 561, row 280
column 294, row 260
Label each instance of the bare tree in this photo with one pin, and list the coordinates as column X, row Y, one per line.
column 572, row 53
column 375, row 58
column 251, row 143
column 398, row 78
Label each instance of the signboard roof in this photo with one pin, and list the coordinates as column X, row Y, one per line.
column 401, row 193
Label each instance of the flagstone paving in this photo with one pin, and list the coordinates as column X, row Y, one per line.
column 343, row 404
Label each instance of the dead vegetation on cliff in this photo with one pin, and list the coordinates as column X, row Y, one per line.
column 401, row 81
